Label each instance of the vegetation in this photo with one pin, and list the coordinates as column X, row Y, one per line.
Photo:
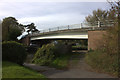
column 103, row 62
column 11, row 29
column 79, row 47
column 14, row 52
column 44, row 55
column 105, row 58
column 9, row 25
column 12, row 70
column 104, row 16
column 31, row 28
column 61, row 62
column 47, row 55
column 62, row 47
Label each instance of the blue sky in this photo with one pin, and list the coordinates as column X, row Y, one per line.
column 49, row 14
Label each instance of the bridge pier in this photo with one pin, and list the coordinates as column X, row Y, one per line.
column 95, row 38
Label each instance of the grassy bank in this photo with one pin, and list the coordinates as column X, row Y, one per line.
column 12, row 70
column 103, row 62
column 61, row 62
column 79, row 47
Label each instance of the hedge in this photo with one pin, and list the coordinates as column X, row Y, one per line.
column 14, row 52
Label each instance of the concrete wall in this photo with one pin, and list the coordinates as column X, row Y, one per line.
column 95, row 38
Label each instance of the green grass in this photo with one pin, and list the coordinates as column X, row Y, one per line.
column 61, row 62
column 79, row 47
column 103, row 62
column 12, row 70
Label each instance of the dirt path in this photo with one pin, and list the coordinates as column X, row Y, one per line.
column 77, row 69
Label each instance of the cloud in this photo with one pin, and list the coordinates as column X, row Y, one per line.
column 54, row 20
column 53, row 1
column 49, row 14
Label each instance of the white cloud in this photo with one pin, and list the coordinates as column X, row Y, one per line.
column 53, row 0
column 46, row 15
column 45, row 22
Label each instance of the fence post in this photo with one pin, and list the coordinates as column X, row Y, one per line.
column 80, row 25
column 68, row 26
column 58, row 28
column 99, row 24
column 49, row 29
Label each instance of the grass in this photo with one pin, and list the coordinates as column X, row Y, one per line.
column 61, row 62
column 79, row 47
column 12, row 70
column 103, row 62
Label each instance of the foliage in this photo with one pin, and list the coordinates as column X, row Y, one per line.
column 79, row 47
column 12, row 70
column 14, row 52
column 0, row 31
column 10, row 24
column 11, row 29
column 14, row 33
column 62, row 48
column 44, row 55
column 52, row 55
column 106, row 57
column 103, row 16
column 61, row 62
column 103, row 62
column 111, row 41
column 31, row 28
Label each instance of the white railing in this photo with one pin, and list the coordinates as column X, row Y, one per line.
column 78, row 26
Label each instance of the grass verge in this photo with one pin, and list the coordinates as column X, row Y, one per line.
column 12, row 70
column 103, row 62
column 61, row 62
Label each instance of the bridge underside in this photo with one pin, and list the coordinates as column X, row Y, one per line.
column 85, row 36
column 63, row 35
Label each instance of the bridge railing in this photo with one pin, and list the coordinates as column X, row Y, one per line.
column 78, row 26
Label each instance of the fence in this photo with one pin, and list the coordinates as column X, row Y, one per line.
column 78, row 26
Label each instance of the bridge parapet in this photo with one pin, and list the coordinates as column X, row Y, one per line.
column 79, row 27
column 84, row 29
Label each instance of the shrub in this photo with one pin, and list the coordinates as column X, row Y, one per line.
column 31, row 49
column 103, row 62
column 44, row 55
column 62, row 48
column 14, row 52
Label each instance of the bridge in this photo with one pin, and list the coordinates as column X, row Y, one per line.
column 76, row 31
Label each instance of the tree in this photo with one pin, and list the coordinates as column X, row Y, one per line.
column 104, row 16
column 97, row 15
column 14, row 33
column 9, row 25
column 31, row 28
column 115, row 5
column 0, row 30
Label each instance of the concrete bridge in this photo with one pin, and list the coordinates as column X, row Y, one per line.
column 78, row 31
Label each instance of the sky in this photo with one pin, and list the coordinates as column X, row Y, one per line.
column 47, row 14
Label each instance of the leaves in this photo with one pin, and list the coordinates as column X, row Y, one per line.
column 10, row 25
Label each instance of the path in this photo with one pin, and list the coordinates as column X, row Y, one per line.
column 77, row 69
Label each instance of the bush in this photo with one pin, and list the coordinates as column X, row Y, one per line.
column 31, row 49
column 103, row 62
column 62, row 48
column 44, row 55
column 14, row 52
column 61, row 62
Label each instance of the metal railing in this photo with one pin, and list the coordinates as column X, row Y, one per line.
column 77, row 26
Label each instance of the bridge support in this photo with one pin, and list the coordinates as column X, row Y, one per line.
column 95, row 38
